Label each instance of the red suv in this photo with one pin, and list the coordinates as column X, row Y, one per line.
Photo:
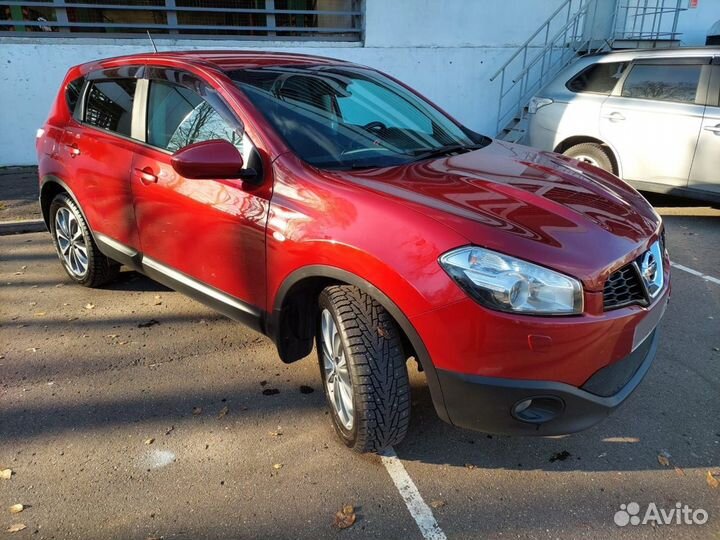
column 324, row 202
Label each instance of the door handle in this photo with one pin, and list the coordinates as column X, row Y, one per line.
column 713, row 129
column 73, row 149
column 614, row 116
column 146, row 176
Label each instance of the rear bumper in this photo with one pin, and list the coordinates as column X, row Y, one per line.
column 495, row 405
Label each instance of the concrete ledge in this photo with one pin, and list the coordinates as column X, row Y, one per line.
column 22, row 226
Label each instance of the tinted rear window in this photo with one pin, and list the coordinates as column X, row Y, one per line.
column 109, row 105
column 663, row 82
column 598, row 78
column 72, row 93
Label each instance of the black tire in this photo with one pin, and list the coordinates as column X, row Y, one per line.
column 376, row 364
column 592, row 153
column 100, row 269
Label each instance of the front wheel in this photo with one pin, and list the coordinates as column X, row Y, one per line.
column 363, row 369
column 591, row 153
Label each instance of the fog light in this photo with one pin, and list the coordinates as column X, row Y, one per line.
column 538, row 410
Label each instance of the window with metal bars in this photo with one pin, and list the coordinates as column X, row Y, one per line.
column 308, row 20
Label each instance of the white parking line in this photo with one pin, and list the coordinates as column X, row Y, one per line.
column 417, row 507
column 696, row 273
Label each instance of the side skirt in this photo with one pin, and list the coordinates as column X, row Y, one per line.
column 228, row 305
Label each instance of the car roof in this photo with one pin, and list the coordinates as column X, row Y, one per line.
column 227, row 60
column 675, row 52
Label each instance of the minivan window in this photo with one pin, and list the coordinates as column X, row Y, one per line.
column 72, row 93
column 178, row 117
column 663, row 82
column 109, row 105
column 339, row 117
column 599, row 78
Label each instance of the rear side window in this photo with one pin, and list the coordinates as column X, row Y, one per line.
column 598, row 78
column 663, row 82
column 109, row 105
column 72, row 93
column 178, row 117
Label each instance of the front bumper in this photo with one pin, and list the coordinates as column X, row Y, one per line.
column 495, row 405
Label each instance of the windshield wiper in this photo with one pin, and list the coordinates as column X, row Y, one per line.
column 419, row 155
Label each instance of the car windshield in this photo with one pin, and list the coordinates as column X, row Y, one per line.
column 344, row 117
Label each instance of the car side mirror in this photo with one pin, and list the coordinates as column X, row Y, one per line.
column 210, row 160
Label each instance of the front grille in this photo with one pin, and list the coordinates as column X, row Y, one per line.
column 623, row 288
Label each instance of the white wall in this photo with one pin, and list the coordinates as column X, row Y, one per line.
column 447, row 49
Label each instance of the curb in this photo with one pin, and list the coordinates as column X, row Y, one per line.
column 22, row 226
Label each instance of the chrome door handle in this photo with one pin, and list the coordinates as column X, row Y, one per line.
column 614, row 117
column 714, row 129
column 146, row 176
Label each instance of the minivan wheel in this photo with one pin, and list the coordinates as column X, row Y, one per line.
column 75, row 246
column 363, row 369
column 591, row 153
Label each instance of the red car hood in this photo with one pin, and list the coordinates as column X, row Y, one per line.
column 539, row 206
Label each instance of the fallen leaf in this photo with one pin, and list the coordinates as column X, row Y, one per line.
column 32, row 349
column 278, row 466
column 438, row 503
column 169, row 430
column 345, row 518
column 112, row 336
column 89, row 306
column 40, row 313
column 711, row 480
column 16, row 528
column 149, row 441
column 664, row 458
column 223, row 412
column 469, row 466
column 270, row 391
column 679, row 471
column 16, row 508
column 277, row 433
column 197, row 411
column 5, row 474
column 306, row 389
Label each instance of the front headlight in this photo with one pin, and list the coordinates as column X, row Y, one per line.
column 505, row 283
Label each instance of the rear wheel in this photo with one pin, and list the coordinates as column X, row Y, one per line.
column 363, row 369
column 75, row 246
column 591, row 153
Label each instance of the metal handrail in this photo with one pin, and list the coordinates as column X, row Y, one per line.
column 529, row 40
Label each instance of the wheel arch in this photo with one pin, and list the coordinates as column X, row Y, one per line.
column 50, row 187
column 291, row 323
column 580, row 139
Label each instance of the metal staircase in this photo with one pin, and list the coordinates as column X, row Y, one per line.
column 575, row 28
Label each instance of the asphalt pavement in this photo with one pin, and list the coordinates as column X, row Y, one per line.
column 134, row 412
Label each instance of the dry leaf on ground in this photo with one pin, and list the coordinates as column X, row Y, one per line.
column 439, row 503
column 149, row 441
column 277, row 466
column 89, row 306
column 197, row 411
column 712, row 480
column 16, row 528
column 16, row 508
column 5, row 474
column 223, row 412
column 346, row 517
column 664, row 458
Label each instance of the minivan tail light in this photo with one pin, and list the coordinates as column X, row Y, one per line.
column 537, row 103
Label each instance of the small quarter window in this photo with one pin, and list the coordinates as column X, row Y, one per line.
column 109, row 105
column 72, row 93
column 663, row 82
column 599, row 78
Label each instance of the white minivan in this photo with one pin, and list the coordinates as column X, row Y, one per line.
column 650, row 116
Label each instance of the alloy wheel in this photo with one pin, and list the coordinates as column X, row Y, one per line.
column 335, row 369
column 71, row 242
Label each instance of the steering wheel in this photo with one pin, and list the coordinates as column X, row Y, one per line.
column 375, row 126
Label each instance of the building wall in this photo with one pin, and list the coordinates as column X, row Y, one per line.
column 447, row 49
